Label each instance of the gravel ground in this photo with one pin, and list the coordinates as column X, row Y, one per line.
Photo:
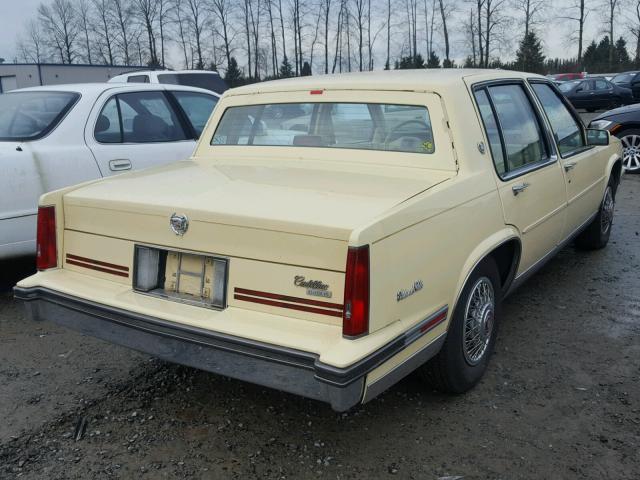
column 561, row 398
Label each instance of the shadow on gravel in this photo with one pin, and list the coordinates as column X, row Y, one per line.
column 14, row 270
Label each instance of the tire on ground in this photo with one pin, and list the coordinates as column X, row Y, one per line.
column 450, row 371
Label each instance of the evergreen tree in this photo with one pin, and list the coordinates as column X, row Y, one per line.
column 234, row 76
column 434, row 60
column 448, row 63
column 407, row 63
column 306, row 70
column 621, row 58
column 590, row 57
column 529, row 57
column 286, row 71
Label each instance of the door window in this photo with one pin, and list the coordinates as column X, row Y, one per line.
column 522, row 134
column 197, row 107
column 602, row 85
column 139, row 117
column 566, row 129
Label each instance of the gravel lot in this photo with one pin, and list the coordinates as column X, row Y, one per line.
column 561, row 399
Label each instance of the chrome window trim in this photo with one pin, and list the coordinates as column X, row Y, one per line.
column 546, row 133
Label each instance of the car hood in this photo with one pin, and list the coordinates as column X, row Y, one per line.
column 619, row 111
column 315, row 198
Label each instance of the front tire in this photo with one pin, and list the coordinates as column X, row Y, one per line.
column 596, row 235
column 464, row 357
column 630, row 140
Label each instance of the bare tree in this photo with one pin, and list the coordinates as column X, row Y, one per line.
column 284, row 40
column 197, row 18
column 272, row 36
column 222, row 10
column 444, row 14
column 103, row 30
column 31, row 48
column 247, row 32
column 147, row 12
column 164, row 12
column 59, row 21
column 493, row 18
column 326, row 11
column 531, row 11
column 359, row 17
column 635, row 30
column 612, row 9
column 121, row 13
column 315, row 38
column 180, row 22
column 387, row 64
column 255, row 11
column 577, row 14
column 84, row 22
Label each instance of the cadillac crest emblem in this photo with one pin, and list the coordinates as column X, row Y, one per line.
column 179, row 224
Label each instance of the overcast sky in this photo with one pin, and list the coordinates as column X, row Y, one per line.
column 15, row 13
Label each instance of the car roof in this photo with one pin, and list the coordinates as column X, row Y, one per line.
column 97, row 88
column 399, row 80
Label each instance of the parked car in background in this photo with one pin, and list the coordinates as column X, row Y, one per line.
column 629, row 80
column 596, row 93
column 332, row 256
column 563, row 77
column 624, row 123
column 55, row 136
column 207, row 79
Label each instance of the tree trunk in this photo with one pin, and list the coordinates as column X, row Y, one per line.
column 444, row 31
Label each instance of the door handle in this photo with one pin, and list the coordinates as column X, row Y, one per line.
column 569, row 166
column 119, row 164
column 521, row 187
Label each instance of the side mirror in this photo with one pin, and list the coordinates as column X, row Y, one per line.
column 579, row 89
column 597, row 137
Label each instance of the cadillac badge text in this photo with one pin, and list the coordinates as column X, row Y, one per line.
column 315, row 288
column 402, row 294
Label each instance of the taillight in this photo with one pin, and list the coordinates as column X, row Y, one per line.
column 355, row 318
column 47, row 255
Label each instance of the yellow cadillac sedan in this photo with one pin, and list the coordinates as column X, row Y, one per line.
column 332, row 234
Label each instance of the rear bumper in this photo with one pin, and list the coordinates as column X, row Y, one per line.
column 269, row 365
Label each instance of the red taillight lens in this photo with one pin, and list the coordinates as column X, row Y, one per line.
column 47, row 254
column 355, row 319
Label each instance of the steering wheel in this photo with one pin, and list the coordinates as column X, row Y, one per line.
column 395, row 132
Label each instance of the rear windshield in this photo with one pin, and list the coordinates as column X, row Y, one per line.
column 31, row 115
column 208, row 81
column 368, row 126
column 623, row 77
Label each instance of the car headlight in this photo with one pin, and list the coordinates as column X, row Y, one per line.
column 600, row 124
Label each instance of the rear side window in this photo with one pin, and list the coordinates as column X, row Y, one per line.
column 197, row 107
column 365, row 126
column 566, row 130
column 208, row 81
column 32, row 115
column 491, row 127
column 140, row 117
column 520, row 131
column 138, row 79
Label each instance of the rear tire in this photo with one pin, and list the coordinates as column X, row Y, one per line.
column 464, row 357
column 596, row 235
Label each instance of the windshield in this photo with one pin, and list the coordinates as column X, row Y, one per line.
column 208, row 81
column 31, row 115
column 623, row 77
column 568, row 86
column 368, row 126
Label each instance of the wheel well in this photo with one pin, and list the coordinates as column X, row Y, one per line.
column 507, row 257
column 616, row 172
